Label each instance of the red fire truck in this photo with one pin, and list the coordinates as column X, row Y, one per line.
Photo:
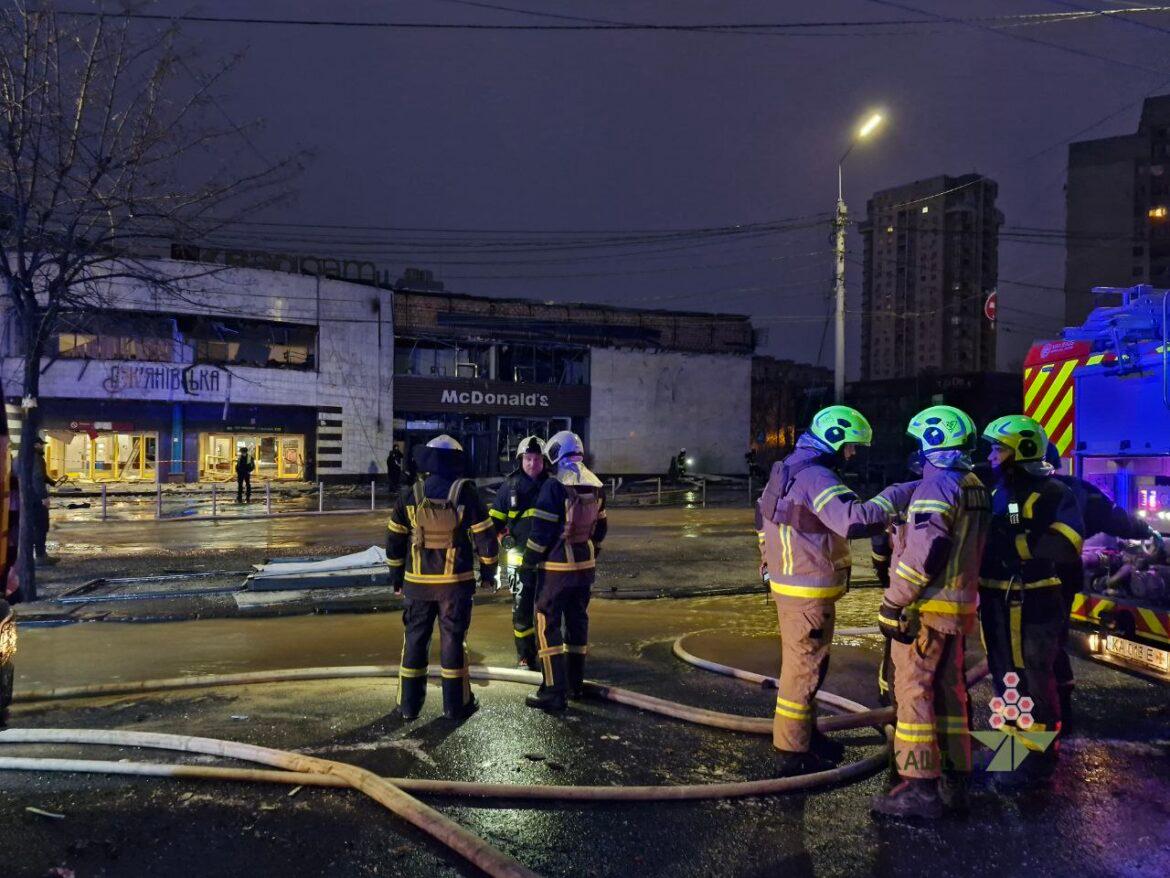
column 1102, row 393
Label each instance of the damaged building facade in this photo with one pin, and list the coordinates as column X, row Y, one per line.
column 637, row 385
column 319, row 378
column 169, row 385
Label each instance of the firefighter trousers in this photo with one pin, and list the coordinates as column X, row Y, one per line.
column 523, row 624
column 1021, row 633
column 562, row 627
column 452, row 608
column 1072, row 580
column 806, row 633
column 930, row 696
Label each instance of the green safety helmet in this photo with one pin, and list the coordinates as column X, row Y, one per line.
column 1024, row 436
column 840, row 425
column 943, row 428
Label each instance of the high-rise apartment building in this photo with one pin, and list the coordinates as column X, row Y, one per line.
column 931, row 260
column 1118, row 211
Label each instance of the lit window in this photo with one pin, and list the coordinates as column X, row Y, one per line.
column 889, row 230
column 1158, row 212
column 925, row 209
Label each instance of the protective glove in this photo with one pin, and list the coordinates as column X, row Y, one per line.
column 396, row 583
column 893, row 624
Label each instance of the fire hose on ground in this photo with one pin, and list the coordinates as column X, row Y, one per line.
column 394, row 793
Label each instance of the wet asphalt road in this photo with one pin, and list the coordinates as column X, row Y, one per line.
column 648, row 551
column 1106, row 813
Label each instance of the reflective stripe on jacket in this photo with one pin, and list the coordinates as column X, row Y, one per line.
column 431, row 567
column 808, row 554
column 546, row 547
column 1047, row 531
column 938, row 550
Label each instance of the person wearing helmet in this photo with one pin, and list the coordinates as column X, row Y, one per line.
column 568, row 526
column 1101, row 516
column 805, row 519
column 429, row 547
column 1035, row 526
column 513, row 513
column 927, row 610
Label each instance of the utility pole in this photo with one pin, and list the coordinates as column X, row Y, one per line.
column 840, row 220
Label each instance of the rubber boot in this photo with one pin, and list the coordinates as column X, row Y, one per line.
column 912, row 798
column 792, row 763
column 575, row 662
column 1033, row 773
column 952, row 789
column 412, row 691
column 551, row 698
column 827, row 748
column 458, row 702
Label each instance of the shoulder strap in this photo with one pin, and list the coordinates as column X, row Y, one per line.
column 453, row 494
column 789, row 474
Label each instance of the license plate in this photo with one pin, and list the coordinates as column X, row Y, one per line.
column 1138, row 653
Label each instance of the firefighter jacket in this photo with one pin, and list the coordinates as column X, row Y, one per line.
column 515, row 505
column 568, row 525
column 426, row 569
column 1102, row 515
column 805, row 519
column 1035, row 526
column 938, row 549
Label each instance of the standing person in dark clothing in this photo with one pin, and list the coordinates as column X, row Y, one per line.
column 437, row 527
column 38, row 516
column 394, row 470
column 1035, row 528
column 409, row 467
column 514, row 514
column 244, row 467
column 568, row 526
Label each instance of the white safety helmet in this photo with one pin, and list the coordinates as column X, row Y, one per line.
column 563, row 445
column 530, row 445
column 444, row 441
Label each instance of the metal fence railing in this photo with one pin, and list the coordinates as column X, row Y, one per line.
column 272, row 498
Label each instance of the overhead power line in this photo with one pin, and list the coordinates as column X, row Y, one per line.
column 786, row 28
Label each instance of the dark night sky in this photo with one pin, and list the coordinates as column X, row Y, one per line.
column 602, row 130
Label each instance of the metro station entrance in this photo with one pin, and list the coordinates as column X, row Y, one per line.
column 102, row 456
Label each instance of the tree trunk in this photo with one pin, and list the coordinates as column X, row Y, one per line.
column 26, row 473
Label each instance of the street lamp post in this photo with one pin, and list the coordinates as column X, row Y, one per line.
column 840, row 221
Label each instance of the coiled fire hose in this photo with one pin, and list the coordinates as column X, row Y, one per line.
column 393, row 793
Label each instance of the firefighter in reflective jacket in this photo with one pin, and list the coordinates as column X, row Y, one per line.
column 927, row 610
column 1101, row 516
column 513, row 513
column 432, row 527
column 805, row 519
column 567, row 529
column 1035, row 527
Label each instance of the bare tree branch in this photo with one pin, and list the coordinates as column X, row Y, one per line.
column 103, row 127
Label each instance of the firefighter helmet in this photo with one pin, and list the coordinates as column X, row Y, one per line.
column 1024, row 436
column 444, row 441
column 840, row 425
column 943, row 428
column 562, row 445
column 530, row 445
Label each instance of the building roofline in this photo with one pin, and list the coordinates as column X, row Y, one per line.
column 517, row 300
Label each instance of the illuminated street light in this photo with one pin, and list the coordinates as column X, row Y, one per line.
column 871, row 124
